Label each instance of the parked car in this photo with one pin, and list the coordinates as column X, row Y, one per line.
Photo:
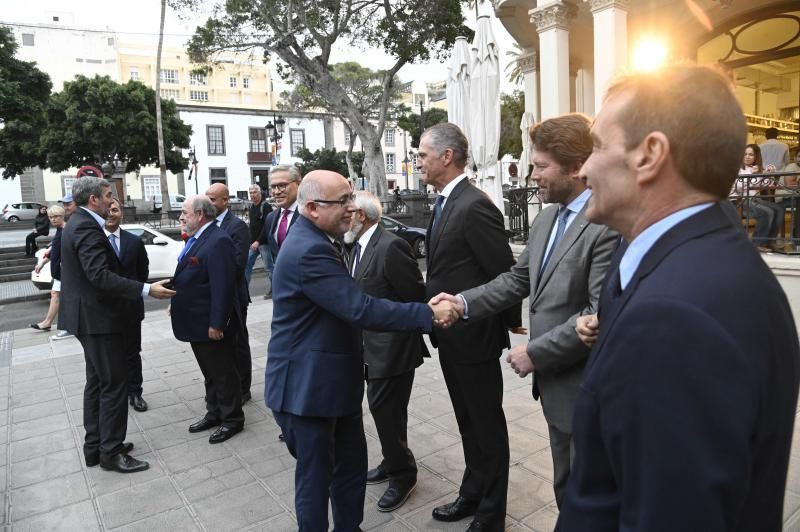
column 415, row 236
column 162, row 252
column 175, row 202
column 16, row 212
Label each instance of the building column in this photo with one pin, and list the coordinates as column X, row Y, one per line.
column 552, row 24
column 584, row 91
column 610, row 43
column 528, row 64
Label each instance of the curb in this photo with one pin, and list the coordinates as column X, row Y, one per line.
column 45, row 294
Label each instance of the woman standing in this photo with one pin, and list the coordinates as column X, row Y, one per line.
column 56, row 217
column 41, row 227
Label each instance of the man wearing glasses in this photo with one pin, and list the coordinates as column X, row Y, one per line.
column 284, row 181
column 314, row 381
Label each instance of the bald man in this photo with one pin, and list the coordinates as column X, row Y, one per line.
column 240, row 234
column 315, row 369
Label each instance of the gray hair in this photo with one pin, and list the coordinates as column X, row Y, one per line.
column 203, row 204
column 370, row 204
column 55, row 210
column 292, row 170
column 255, row 186
column 87, row 186
column 446, row 136
column 309, row 190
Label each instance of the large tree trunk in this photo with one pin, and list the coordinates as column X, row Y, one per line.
column 348, row 157
column 374, row 166
column 162, row 161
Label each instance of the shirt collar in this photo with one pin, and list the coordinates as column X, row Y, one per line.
column 577, row 204
column 448, row 189
column 364, row 239
column 646, row 239
column 221, row 217
column 97, row 218
column 200, row 231
column 292, row 208
column 115, row 233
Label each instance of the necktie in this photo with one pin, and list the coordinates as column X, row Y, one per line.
column 113, row 239
column 356, row 258
column 283, row 227
column 437, row 210
column 188, row 245
column 340, row 252
column 563, row 214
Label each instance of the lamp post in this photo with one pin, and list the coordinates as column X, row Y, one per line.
column 275, row 129
column 193, row 168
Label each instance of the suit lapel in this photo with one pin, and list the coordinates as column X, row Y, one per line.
column 449, row 207
column 572, row 233
column 196, row 246
column 369, row 253
column 537, row 243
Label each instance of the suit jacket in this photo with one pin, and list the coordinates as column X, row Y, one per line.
column 94, row 292
column 271, row 225
column 569, row 287
column 240, row 234
column 388, row 270
column 315, row 365
column 205, row 287
column 684, row 419
column 135, row 265
column 468, row 248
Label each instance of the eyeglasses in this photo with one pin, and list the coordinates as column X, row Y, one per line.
column 280, row 187
column 341, row 202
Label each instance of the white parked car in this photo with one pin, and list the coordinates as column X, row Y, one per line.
column 162, row 251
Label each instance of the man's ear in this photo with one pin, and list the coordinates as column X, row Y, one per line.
column 650, row 156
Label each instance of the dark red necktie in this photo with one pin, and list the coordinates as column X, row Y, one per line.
column 283, row 227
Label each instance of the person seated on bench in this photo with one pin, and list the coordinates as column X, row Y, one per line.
column 767, row 214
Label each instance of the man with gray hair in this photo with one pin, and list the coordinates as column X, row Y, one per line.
column 95, row 300
column 259, row 210
column 384, row 266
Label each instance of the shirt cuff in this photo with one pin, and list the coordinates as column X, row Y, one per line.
column 145, row 289
column 465, row 317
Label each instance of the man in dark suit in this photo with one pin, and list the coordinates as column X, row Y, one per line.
column 258, row 212
column 315, row 369
column 204, row 314
column 561, row 270
column 93, row 308
column 684, row 418
column 135, row 265
column 467, row 247
column 284, row 181
column 384, row 266
column 237, row 230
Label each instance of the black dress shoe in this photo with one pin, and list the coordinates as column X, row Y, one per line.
column 138, row 404
column 395, row 496
column 246, row 396
column 92, row 459
column 455, row 511
column 483, row 526
column 204, row 424
column 224, row 433
column 280, row 437
column 377, row 476
column 123, row 463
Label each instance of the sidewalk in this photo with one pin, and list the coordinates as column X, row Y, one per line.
column 247, row 482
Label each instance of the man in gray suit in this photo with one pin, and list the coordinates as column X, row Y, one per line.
column 562, row 271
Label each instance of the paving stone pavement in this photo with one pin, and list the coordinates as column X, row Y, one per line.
column 246, row 483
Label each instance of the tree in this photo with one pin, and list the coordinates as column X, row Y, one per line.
column 24, row 92
column 303, row 33
column 411, row 123
column 327, row 159
column 514, row 69
column 511, row 109
column 95, row 120
column 363, row 86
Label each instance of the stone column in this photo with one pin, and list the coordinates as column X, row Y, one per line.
column 552, row 24
column 584, row 91
column 528, row 63
column 610, row 43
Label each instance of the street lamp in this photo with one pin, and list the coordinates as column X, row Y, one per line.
column 193, row 168
column 275, row 128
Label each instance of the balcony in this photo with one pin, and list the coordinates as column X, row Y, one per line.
column 259, row 157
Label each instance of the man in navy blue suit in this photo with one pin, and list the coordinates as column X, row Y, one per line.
column 205, row 312
column 315, row 367
column 136, row 266
column 684, row 418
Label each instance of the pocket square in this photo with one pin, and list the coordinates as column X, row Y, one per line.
column 194, row 261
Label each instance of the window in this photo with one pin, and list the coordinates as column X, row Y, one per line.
column 27, row 39
column 218, row 175
column 198, row 96
column 169, row 76
column 388, row 136
column 196, row 78
column 216, row 140
column 110, row 41
column 258, row 139
column 390, row 160
column 246, row 82
column 151, row 187
column 134, row 74
column 347, row 136
column 170, row 94
column 68, row 181
column 297, row 140
column 232, row 81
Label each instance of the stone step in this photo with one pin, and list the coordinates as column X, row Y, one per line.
column 27, row 262
column 7, row 277
column 20, row 268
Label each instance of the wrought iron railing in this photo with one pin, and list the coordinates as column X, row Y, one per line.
column 519, row 200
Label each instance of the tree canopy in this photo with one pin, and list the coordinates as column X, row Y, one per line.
column 326, row 159
column 511, row 109
column 430, row 117
column 304, row 33
column 24, row 92
column 94, row 120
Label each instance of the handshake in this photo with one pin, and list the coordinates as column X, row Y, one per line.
column 447, row 309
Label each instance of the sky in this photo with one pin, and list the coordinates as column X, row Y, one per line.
column 139, row 20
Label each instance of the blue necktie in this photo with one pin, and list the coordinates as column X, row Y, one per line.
column 188, row 245
column 563, row 214
column 113, row 239
column 437, row 210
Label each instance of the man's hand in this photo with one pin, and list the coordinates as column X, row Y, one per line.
column 254, row 246
column 520, row 362
column 587, row 328
column 215, row 334
column 158, row 291
column 445, row 314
